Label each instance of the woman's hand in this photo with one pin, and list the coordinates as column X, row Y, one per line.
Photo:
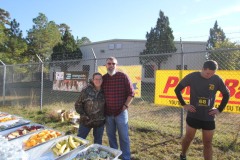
column 84, row 118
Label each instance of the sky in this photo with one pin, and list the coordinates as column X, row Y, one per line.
column 101, row 20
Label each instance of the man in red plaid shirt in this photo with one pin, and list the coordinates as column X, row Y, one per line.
column 118, row 92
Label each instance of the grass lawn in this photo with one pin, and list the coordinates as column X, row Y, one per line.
column 154, row 131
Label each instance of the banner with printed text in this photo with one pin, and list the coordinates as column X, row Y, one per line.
column 70, row 81
column 167, row 80
column 133, row 72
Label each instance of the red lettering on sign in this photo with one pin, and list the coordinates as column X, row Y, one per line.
column 171, row 82
column 237, row 95
column 232, row 86
column 186, row 90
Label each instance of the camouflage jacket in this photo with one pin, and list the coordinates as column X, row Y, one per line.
column 90, row 106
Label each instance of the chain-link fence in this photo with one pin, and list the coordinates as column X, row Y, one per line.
column 22, row 86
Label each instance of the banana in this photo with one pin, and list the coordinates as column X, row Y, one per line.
column 62, row 149
column 58, row 145
column 62, row 142
column 55, row 151
column 66, row 150
column 77, row 144
column 71, row 142
column 78, row 140
column 68, row 145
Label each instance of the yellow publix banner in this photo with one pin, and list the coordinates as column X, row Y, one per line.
column 133, row 72
column 167, row 80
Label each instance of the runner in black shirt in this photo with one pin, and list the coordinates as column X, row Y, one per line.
column 201, row 111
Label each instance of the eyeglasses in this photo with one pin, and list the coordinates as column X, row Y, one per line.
column 97, row 79
column 111, row 64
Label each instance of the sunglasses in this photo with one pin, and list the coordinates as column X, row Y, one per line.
column 111, row 64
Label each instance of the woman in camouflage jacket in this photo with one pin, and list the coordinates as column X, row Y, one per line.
column 90, row 106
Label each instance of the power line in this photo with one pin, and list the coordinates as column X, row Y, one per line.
column 202, row 36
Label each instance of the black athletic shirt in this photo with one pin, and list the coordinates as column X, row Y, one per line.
column 202, row 94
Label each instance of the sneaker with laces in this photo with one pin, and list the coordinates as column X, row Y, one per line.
column 182, row 157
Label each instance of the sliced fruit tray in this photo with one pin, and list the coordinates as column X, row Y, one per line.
column 21, row 131
column 12, row 124
column 65, row 146
column 8, row 118
column 40, row 137
column 3, row 114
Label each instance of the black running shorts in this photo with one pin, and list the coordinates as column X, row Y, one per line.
column 198, row 124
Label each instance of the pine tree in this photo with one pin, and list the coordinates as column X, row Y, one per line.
column 4, row 17
column 43, row 36
column 66, row 50
column 82, row 41
column 160, row 40
column 16, row 45
column 4, row 21
column 216, row 35
column 217, row 41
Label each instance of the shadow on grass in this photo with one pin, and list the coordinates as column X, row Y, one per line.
column 147, row 131
column 233, row 145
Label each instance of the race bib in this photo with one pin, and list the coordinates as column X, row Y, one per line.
column 204, row 102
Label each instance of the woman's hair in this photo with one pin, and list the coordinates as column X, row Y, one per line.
column 94, row 74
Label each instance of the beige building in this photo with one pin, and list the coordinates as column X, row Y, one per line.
column 127, row 52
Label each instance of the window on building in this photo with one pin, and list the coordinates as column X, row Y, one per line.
column 111, row 46
column 118, row 46
column 179, row 67
column 86, row 68
column 102, row 51
column 149, row 71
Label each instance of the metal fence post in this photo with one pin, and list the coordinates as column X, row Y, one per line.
column 41, row 94
column 4, row 81
column 95, row 61
column 181, row 75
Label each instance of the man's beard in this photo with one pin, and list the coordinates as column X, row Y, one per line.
column 111, row 72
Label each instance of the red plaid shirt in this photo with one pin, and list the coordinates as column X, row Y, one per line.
column 116, row 89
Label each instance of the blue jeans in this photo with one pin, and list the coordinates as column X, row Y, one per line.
column 83, row 132
column 120, row 124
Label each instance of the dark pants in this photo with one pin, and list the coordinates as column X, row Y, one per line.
column 83, row 132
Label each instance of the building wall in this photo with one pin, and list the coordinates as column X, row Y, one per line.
column 127, row 52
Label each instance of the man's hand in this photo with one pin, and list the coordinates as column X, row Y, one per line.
column 213, row 112
column 189, row 108
column 124, row 107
